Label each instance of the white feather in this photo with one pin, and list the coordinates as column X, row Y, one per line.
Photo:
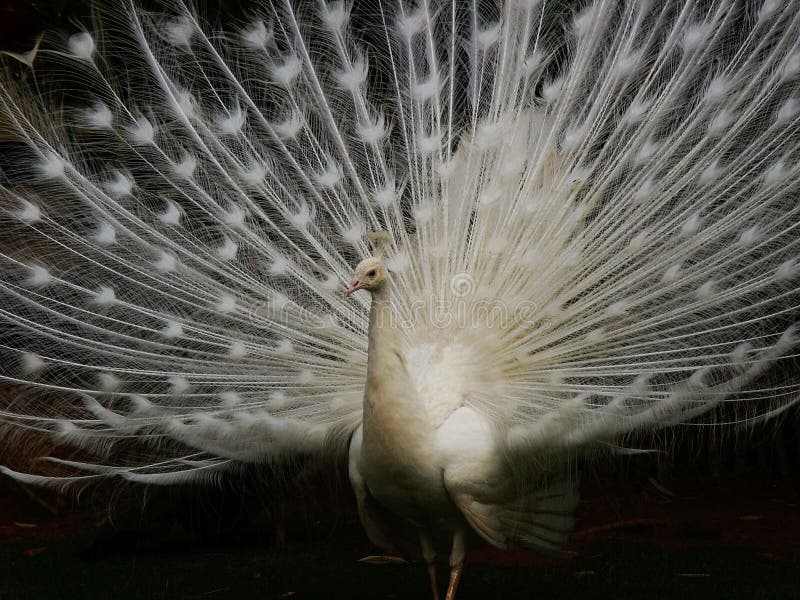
column 81, row 45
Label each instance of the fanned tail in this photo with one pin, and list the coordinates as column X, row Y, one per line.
column 625, row 253
column 176, row 241
column 599, row 207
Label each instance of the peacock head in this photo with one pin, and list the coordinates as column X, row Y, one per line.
column 370, row 274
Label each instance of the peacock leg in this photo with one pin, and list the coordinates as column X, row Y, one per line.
column 429, row 554
column 457, row 556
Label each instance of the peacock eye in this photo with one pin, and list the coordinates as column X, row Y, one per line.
column 371, row 273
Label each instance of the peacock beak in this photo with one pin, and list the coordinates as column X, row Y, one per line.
column 355, row 285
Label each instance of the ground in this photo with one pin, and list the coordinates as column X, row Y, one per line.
column 640, row 533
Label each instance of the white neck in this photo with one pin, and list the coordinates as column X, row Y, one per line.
column 389, row 391
column 382, row 335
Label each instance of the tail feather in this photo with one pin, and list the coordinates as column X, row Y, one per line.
column 607, row 198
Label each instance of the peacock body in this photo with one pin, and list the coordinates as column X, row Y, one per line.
column 588, row 229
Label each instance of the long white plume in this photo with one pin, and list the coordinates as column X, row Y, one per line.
column 594, row 216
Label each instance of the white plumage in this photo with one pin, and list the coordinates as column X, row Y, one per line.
column 592, row 231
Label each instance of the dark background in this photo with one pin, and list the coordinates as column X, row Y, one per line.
column 715, row 522
column 718, row 517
